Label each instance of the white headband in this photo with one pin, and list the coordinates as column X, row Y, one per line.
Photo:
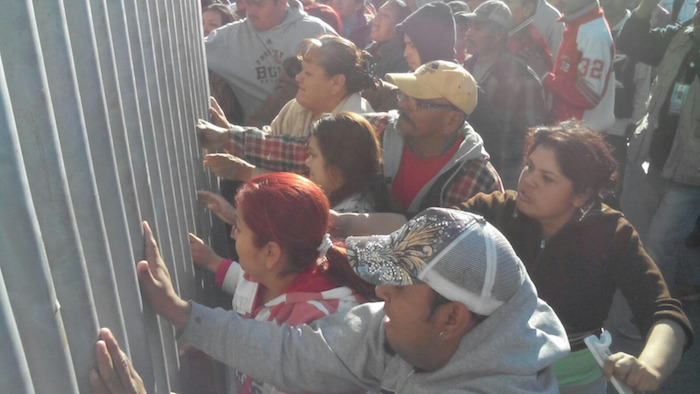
column 326, row 244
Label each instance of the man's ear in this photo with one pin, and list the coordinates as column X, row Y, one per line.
column 457, row 320
column 454, row 120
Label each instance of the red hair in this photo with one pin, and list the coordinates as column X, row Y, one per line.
column 293, row 212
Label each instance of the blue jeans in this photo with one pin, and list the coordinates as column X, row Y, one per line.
column 673, row 221
column 641, row 196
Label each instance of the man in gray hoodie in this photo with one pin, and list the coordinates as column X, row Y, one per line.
column 459, row 314
column 248, row 54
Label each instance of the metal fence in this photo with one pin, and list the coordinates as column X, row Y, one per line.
column 98, row 101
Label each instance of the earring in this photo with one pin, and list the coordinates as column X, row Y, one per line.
column 441, row 334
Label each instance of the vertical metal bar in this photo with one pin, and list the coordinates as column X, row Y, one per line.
column 149, row 110
column 170, row 119
column 198, row 88
column 94, row 106
column 181, row 74
column 115, row 111
column 131, row 108
column 172, row 140
column 132, row 119
column 212, row 231
column 44, row 164
column 23, row 259
column 191, row 41
column 184, row 190
column 160, row 105
column 164, row 134
column 114, row 146
column 66, row 103
column 14, row 375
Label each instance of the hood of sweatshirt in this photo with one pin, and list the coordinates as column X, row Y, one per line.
column 509, row 352
column 431, row 28
column 472, row 147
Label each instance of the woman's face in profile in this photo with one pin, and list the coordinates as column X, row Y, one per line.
column 384, row 24
column 315, row 86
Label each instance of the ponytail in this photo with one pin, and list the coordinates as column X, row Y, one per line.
column 337, row 268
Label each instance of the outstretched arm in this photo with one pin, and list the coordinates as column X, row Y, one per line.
column 356, row 224
column 341, row 352
column 660, row 356
column 218, row 204
column 203, row 255
column 228, row 166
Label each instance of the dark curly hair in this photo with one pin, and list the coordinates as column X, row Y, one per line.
column 582, row 154
column 338, row 55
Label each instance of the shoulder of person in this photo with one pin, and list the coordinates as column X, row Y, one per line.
column 596, row 31
column 379, row 120
column 512, row 69
column 486, row 203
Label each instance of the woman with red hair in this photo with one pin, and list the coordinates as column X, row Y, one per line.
column 289, row 270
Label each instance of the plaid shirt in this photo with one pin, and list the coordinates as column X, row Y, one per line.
column 476, row 176
column 515, row 98
column 286, row 153
column 271, row 152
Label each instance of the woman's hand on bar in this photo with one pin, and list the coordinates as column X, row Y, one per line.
column 157, row 285
column 211, row 136
column 218, row 117
column 203, row 255
column 228, row 166
column 218, row 204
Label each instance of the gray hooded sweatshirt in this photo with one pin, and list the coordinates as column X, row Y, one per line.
column 250, row 61
column 509, row 352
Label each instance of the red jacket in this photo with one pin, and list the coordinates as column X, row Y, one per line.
column 583, row 69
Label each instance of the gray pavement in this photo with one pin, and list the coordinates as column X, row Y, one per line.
column 686, row 378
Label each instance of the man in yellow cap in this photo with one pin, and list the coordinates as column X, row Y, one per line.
column 432, row 156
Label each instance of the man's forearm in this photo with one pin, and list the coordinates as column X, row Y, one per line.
column 357, row 224
column 664, row 347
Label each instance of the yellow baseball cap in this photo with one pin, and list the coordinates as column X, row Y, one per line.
column 439, row 78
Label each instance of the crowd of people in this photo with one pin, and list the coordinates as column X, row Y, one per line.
column 433, row 193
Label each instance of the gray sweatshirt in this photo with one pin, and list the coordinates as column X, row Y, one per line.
column 509, row 352
column 250, row 61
